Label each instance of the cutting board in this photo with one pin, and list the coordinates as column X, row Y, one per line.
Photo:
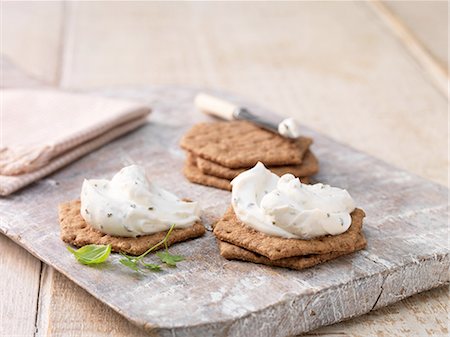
column 206, row 295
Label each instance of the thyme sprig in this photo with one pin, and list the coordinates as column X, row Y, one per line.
column 137, row 262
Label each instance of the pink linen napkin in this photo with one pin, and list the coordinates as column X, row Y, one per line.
column 44, row 130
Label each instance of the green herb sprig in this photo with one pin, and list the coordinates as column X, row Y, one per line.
column 95, row 254
column 137, row 262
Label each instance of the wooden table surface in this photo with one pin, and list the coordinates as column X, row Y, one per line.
column 369, row 74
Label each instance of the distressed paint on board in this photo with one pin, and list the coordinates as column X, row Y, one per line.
column 207, row 295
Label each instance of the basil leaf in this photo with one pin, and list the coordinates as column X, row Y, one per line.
column 91, row 254
column 169, row 259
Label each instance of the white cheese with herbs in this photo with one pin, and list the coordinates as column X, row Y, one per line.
column 284, row 207
column 130, row 205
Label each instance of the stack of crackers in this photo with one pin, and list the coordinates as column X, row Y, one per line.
column 240, row 242
column 218, row 152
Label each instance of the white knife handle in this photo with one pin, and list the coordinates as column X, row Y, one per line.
column 215, row 106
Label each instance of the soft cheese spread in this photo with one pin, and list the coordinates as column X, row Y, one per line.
column 130, row 205
column 284, row 207
column 289, row 128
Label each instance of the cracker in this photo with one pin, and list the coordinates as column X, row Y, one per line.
column 308, row 167
column 232, row 252
column 231, row 230
column 75, row 231
column 195, row 175
column 239, row 144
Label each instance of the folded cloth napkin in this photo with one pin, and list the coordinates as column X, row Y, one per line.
column 44, row 130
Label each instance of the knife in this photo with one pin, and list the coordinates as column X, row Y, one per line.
column 229, row 111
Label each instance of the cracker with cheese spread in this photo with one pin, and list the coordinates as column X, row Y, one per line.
column 230, row 229
column 75, row 231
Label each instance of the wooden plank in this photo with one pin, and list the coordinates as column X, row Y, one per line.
column 31, row 36
column 427, row 20
column 330, row 64
column 12, row 77
column 405, row 227
column 436, row 69
column 18, row 294
column 68, row 310
column 425, row 314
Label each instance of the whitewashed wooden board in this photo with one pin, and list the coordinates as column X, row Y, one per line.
column 209, row 296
